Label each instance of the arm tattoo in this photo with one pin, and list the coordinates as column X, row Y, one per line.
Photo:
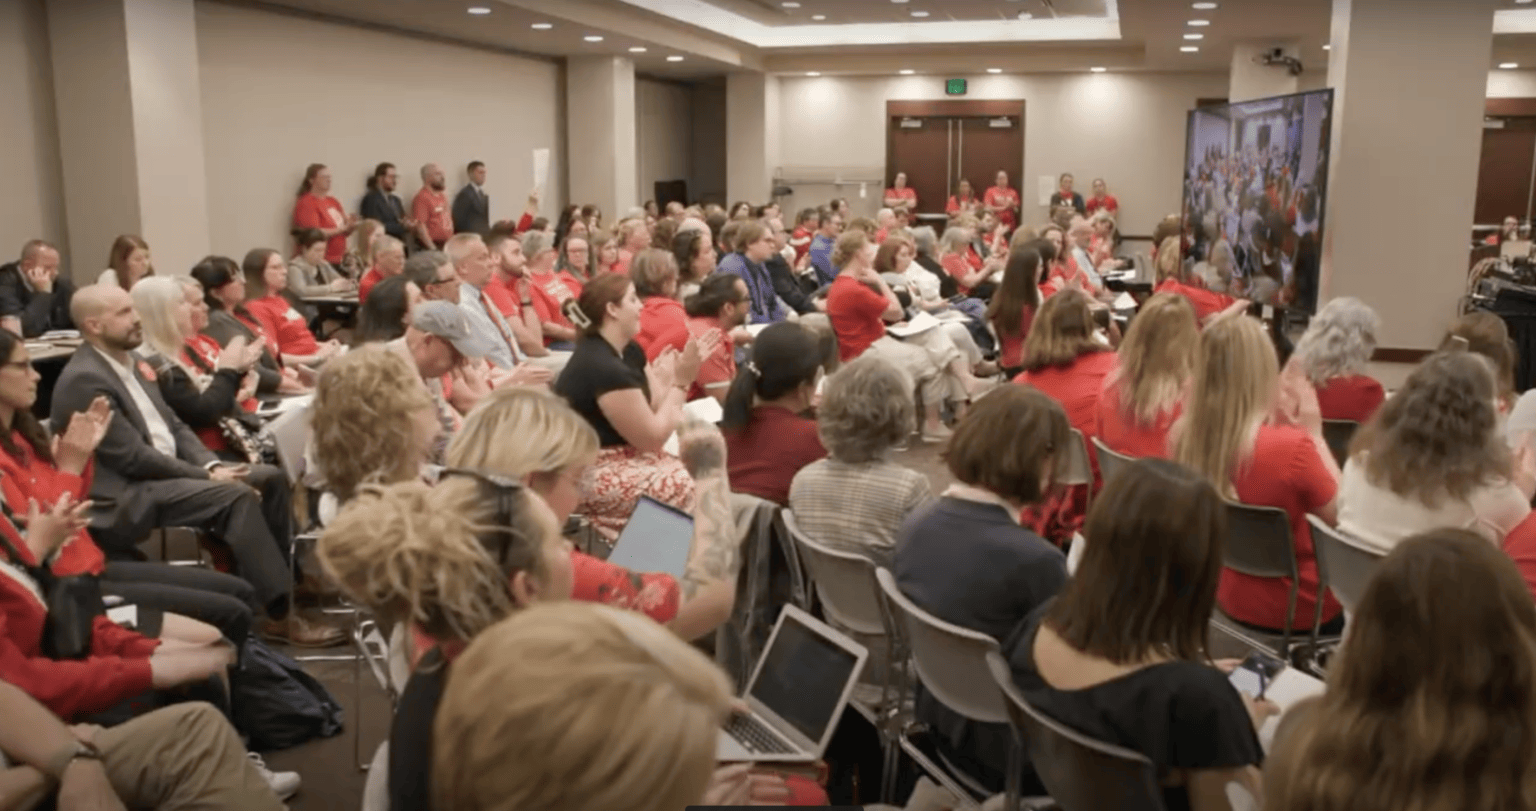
column 716, row 553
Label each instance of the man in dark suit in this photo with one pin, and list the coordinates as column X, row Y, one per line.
column 471, row 207
column 33, row 293
column 382, row 204
column 152, row 470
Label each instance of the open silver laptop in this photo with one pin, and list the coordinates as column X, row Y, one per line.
column 797, row 693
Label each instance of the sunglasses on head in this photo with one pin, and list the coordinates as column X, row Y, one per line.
column 506, row 490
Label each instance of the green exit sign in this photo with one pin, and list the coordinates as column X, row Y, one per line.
column 955, row 87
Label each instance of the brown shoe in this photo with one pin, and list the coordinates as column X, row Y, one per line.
column 301, row 633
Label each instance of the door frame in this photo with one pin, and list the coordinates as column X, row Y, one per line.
column 978, row 108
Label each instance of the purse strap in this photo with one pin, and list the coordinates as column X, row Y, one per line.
column 39, row 572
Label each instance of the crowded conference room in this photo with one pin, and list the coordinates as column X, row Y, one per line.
column 643, row 405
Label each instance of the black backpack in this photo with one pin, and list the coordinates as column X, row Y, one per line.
column 276, row 703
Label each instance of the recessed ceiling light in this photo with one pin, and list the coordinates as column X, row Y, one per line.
column 1199, row 23
column 1203, row 6
column 898, row 2
column 478, row 10
column 994, row 70
column 1097, row 70
column 674, row 59
column 1189, row 49
column 919, row 14
column 1024, row 15
column 1524, row 2
column 1194, row 36
column 1327, row 47
column 592, row 38
column 814, row 73
column 818, row 17
column 542, row 26
column 790, row 4
column 637, row 49
column 1508, row 65
column 907, row 72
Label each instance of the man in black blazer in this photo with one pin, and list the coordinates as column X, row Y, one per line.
column 33, row 292
column 152, row 470
column 382, row 204
column 472, row 207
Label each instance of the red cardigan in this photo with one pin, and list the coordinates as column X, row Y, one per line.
column 26, row 477
column 117, row 668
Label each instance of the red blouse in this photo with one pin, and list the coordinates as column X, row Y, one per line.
column 365, row 284
column 1520, row 545
column 766, row 453
column 1285, row 471
column 1120, row 431
column 25, row 477
column 856, row 313
column 1207, row 303
column 1350, row 397
column 1076, row 386
column 663, row 324
column 280, row 319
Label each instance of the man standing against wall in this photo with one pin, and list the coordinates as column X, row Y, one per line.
column 472, row 207
column 382, row 204
column 434, row 220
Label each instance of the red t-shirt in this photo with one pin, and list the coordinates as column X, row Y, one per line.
column 1285, row 471
column 1120, row 431
column 857, row 315
column 1076, row 386
column 1107, row 202
column 801, row 242
column 504, row 297
column 1206, row 302
column 663, row 323
column 1350, row 397
column 431, row 208
column 311, row 211
column 719, row 367
column 958, row 267
column 1520, row 545
column 280, row 319
column 955, row 204
column 908, row 194
column 1011, row 354
column 365, row 284
column 550, row 291
column 1003, row 196
column 767, row 452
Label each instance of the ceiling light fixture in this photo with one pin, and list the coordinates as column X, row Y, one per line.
column 1199, row 23
column 542, row 26
column 1508, row 65
column 1203, row 6
column 790, row 4
column 592, row 38
column 1189, row 49
column 1024, row 15
column 478, row 10
column 1327, row 47
column 637, row 49
column 1194, row 36
column 994, row 70
column 899, row 2
column 1097, row 70
column 907, row 71
column 919, row 14
column 818, row 17
column 813, row 74
column 1524, row 2
column 674, row 59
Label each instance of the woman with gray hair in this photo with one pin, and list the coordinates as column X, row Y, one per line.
column 856, row 499
column 1332, row 354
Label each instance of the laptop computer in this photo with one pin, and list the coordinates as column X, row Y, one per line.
column 657, row 538
column 797, row 693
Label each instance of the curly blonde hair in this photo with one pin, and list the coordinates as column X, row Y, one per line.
column 595, row 708
column 364, row 419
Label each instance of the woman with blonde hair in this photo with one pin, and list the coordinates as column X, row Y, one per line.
column 1209, row 305
column 598, row 709
column 1238, row 435
column 955, row 256
column 1431, row 701
column 1434, row 456
column 1144, row 394
column 633, row 237
column 373, row 421
column 127, row 263
column 1333, row 354
column 360, row 258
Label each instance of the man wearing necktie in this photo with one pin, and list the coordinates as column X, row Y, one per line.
column 472, row 207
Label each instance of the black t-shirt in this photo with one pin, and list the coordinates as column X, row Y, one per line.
column 1181, row 715
column 594, row 370
column 410, row 734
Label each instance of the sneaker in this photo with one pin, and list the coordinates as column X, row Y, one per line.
column 937, row 434
column 301, row 633
column 283, row 784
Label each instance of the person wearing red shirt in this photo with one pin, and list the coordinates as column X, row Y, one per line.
column 767, row 440
column 958, row 259
column 1209, row 305
column 900, row 196
column 430, row 209
column 511, row 293
column 1520, row 545
column 963, row 201
column 1003, row 201
column 267, row 276
column 1333, row 354
column 316, row 209
column 663, row 322
column 388, row 260
column 1012, row 308
column 722, row 304
column 1064, row 358
column 634, row 236
column 1144, row 395
column 1258, row 447
column 1101, row 199
column 805, row 231
column 550, row 289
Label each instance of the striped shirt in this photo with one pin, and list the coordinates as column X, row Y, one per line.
column 857, row 507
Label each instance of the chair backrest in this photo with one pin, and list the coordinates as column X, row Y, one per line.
column 1342, row 566
column 1078, row 471
column 951, row 661
column 1259, row 541
column 1110, row 462
column 1338, row 433
column 1080, row 773
column 844, row 580
column 291, row 432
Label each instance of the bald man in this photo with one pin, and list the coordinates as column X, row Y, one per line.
column 430, row 209
column 152, row 471
column 32, row 293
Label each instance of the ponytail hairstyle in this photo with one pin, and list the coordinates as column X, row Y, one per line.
column 309, row 178
column 588, row 312
column 785, row 357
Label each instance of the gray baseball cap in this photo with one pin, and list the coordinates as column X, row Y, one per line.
column 448, row 321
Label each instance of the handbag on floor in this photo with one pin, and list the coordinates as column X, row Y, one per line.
column 276, row 703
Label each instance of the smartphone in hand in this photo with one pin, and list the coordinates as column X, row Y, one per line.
column 1256, row 673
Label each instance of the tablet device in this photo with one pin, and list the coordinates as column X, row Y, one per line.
column 657, row 538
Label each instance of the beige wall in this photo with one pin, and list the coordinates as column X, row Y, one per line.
column 1511, row 84
column 663, row 134
column 1127, row 128
column 29, row 132
column 280, row 92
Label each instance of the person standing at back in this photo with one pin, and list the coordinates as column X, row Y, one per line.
column 434, row 219
column 1003, row 200
column 472, row 206
column 382, row 204
column 1101, row 200
column 316, row 208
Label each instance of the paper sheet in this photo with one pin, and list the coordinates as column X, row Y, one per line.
column 757, row 328
column 1123, row 302
column 540, row 168
column 921, row 322
column 1289, row 688
column 707, row 409
column 1046, row 188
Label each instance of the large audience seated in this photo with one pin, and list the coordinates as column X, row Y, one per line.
column 499, row 389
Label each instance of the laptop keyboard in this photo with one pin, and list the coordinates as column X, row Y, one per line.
column 752, row 734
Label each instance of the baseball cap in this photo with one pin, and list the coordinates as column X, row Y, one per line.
column 446, row 320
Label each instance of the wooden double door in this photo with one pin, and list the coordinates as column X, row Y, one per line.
column 939, row 143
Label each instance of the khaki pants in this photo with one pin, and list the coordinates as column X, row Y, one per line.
column 183, row 758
